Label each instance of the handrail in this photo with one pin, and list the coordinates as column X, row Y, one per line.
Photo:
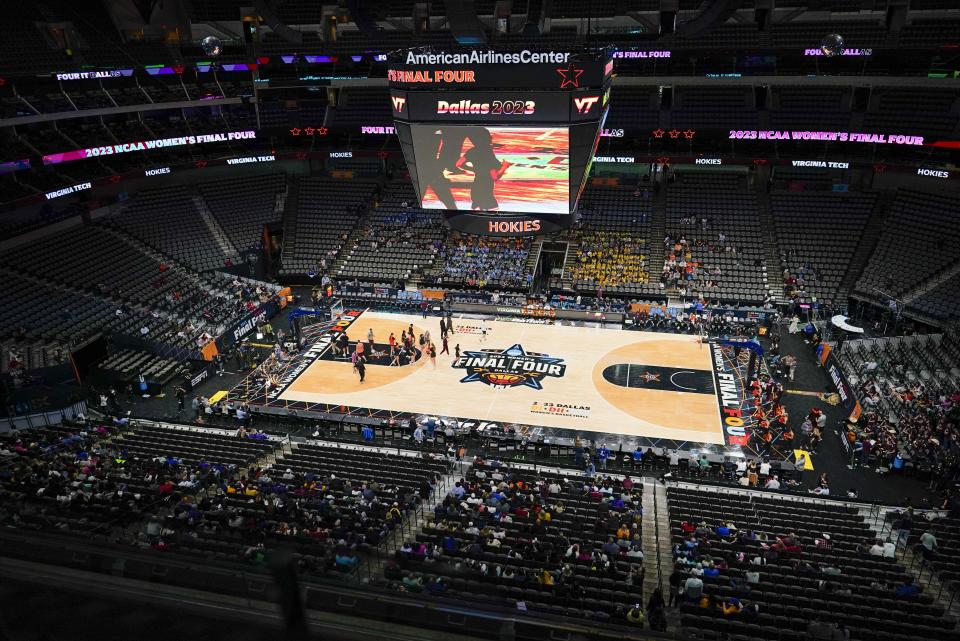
column 789, row 495
column 656, row 534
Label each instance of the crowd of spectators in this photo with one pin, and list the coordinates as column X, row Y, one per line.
column 910, row 419
column 397, row 230
column 921, row 434
column 478, row 261
column 329, row 520
column 520, row 529
column 103, row 479
column 609, row 259
column 72, row 478
column 766, row 563
column 795, row 281
column 681, row 270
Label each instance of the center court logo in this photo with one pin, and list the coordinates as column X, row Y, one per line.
column 510, row 367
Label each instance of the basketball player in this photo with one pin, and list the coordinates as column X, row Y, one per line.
column 393, row 344
column 448, row 144
column 486, row 168
column 446, row 345
column 456, row 350
column 433, row 355
column 370, row 337
column 483, row 331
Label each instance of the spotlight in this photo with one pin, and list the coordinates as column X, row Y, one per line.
column 212, row 46
column 832, row 45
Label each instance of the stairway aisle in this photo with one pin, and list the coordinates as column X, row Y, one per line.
column 569, row 260
column 414, row 522
column 291, row 205
column 658, row 230
column 868, row 242
column 533, row 257
column 929, row 582
column 657, row 553
column 772, row 254
column 219, row 235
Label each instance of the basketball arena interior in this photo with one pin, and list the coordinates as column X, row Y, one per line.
column 480, row 319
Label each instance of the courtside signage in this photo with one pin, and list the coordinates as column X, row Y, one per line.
column 313, row 353
column 730, row 398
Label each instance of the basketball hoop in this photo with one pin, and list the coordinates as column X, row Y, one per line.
column 336, row 309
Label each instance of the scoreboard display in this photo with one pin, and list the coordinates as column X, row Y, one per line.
column 492, row 136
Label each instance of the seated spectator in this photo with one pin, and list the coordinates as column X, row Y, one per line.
column 821, row 490
column 731, row 607
column 436, row 585
column 412, row 582
column 906, row 590
column 636, row 616
column 692, row 588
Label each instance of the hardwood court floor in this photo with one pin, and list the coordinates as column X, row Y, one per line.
column 637, row 383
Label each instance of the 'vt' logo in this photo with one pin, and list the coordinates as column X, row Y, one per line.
column 398, row 103
column 584, row 104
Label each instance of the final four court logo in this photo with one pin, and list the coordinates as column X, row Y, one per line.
column 511, row 367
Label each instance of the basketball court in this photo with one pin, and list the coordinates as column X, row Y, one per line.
column 661, row 386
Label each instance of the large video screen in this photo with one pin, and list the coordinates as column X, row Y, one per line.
column 478, row 168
